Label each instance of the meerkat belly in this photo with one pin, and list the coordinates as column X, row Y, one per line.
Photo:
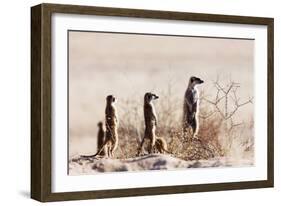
column 195, row 95
column 150, row 132
column 110, row 122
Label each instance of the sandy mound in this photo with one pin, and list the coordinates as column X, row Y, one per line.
column 81, row 165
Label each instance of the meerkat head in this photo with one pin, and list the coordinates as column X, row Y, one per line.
column 148, row 97
column 110, row 99
column 100, row 124
column 193, row 81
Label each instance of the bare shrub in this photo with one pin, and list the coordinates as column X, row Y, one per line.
column 232, row 136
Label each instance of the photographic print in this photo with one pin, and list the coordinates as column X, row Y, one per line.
column 143, row 102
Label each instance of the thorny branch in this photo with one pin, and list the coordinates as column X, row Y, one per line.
column 227, row 96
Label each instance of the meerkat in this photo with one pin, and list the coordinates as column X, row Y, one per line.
column 101, row 139
column 150, row 119
column 191, row 106
column 161, row 145
column 111, row 124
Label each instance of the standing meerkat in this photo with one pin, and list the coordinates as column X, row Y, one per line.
column 150, row 119
column 111, row 124
column 101, row 139
column 191, row 106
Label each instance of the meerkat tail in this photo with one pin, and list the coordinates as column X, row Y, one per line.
column 165, row 150
column 97, row 153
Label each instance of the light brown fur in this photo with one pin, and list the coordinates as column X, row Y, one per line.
column 111, row 125
column 150, row 119
column 161, row 145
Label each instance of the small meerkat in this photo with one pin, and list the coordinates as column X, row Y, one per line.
column 101, row 139
column 111, row 124
column 191, row 106
column 161, row 145
column 150, row 119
